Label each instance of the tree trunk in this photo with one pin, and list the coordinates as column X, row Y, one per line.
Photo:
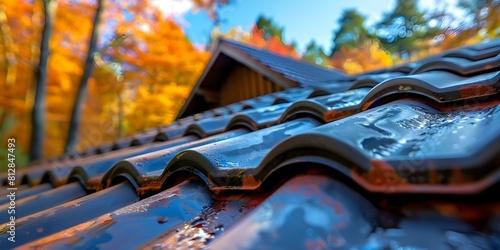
column 81, row 94
column 38, row 113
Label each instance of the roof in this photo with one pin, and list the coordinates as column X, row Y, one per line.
column 379, row 161
column 284, row 71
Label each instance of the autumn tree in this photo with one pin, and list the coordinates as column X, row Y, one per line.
column 159, row 64
column 356, row 49
column 269, row 27
column 315, row 54
column 82, row 87
column 38, row 113
column 405, row 29
column 142, row 63
column 484, row 16
column 352, row 32
column 366, row 57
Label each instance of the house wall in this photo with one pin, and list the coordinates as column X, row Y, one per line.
column 243, row 83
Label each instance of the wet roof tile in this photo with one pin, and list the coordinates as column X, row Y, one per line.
column 321, row 106
column 258, row 118
column 44, row 200
column 401, row 148
column 441, row 150
column 144, row 168
column 157, row 215
column 55, row 219
column 459, row 65
column 226, row 163
column 302, row 213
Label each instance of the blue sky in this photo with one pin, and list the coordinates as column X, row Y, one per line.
column 303, row 20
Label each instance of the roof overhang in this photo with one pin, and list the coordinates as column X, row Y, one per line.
column 224, row 57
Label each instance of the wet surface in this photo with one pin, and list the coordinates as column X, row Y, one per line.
column 460, row 65
column 226, row 162
column 317, row 212
column 60, row 217
column 155, row 216
column 209, row 126
column 86, row 169
column 443, row 225
column 258, row 118
column 414, row 143
column 293, row 94
column 426, row 130
column 307, row 212
column 411, row 129
column 147, row 167
column 320, row 107
column 44, row 200
column 211, row 223
column 27, row 192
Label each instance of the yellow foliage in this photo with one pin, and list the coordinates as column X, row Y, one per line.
column 352, row 67
column 365, row 58
column 159, row 106
column 158, row 68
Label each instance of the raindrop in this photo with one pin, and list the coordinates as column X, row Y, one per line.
column 162, row 219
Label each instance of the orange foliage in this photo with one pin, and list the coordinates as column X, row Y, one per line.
column 273, row 44
column 366, row 58
column 141, row 78
column 256, row 39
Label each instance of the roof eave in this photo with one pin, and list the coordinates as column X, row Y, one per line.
column 240, row 57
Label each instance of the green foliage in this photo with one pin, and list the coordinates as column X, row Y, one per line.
column 484, row 16
column 352, row 32
column 402, row 29
column 315, row 54
column 270, row 28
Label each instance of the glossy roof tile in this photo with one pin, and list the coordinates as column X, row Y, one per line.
column 157, row 215
column 44, row 200
column 57, row 218
column 27, row 192
column 310, row 212
column 144, row 168
column 258, row 118
column 418, row 148
column 472, row 54
column 459, row 65
column 84, row 170
column 441, row 86
column 228, row 162
column 321, row 106
column 307, row 212
column 380, row 160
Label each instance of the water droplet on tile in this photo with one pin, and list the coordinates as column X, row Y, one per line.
column 162, row 219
